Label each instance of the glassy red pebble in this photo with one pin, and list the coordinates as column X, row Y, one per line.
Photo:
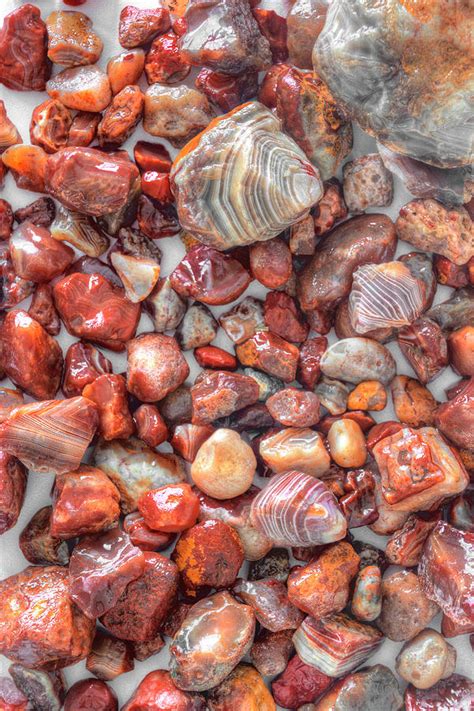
column 84, row 501
column 81, row 179
column 155, row 219
column 91, row 694
column 157, row 185
column 452, row 694
column 270, row 262
column 270, row 353
column 145, row 603
column 42, row 309
column 36, row 256
column 269, row 600
column 50, row 124
column 405, row 546
column 151, row 427
column 30, row 356
column 299, row 684
column 156, row 366
column 101, row 568
column 13, row 478
column 283, row 317
column 83, row 364
column 138, row 26
column 425, row 348
column 309, row 370
column 28, row 166
column 143, row 536
column 227, row 91
column 109, row 393
column 13, row 288
column 125, row 69
column 215, row 358
column 50, row 634
column 380, row 431
column 455, row 418
column 210, row 276
column 93, row 308
column 187, row 439
column 450, row 274
column 6, row 219
column 170, row 509
column 461, row 350
column 152, row 157
column 50, row 436
column 272, row 24
column 165, row 63
column 121, row 117
column 109, row 657
column 220, row 393
column 157, row 692
column 208, row 555
column 38, row 545
column 24, row 64
column 83, row 128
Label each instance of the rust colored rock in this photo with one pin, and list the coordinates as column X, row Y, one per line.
column 174, row 621
column 371, row 689
column 152, row 157
column 41, row 212
column 429, row 225
column 226, row 91
column 125, row 69
column 208, row 555
column 269, row 600
column 93, row 308
column 144, row 650
column 450, row 274
column 24, row 65
column 36, row 256
column 210, row 276
column 109, row 393
column 243, row 689
column 270, row 353
column 142, row 536
column 81, row 179
column 271, row 651
column 28, row 166
column 9, row 400
column 157, row 186
column 327, row 279
column 109, row 657
column 413, row 403
column 294, row 408
column 330, row 209
column 283, row 317
column 368, row 395
column 49, row 126
column 299, row 684
column 83, row 364
column 406, row 610
column 6, row 219
column 83, row 129
column 157, row 692
column 151, row 427
column 418, row 469
column 220, row 393
column 121, row 117
column 215, row 358
column 38, row 545
column 322, row 587
column 270, row 262
column 42, row 309
column 175, row 113
column 177, row 407
column 188, row 438
column 169, row 509
column 367, row 183
column 309, row 370
column 455, row 418
column 453, row 693
column 405, row 546
column 139, row 26
column 165, row 63
column 92, row 693
column 71, row 39
column 145, row 603
column 30, row 356
column 156, row 366
column 84, row 502
column 424, row 346
column 303, row 237
column 9, row 134
column 39, row 624
column 156, row 219
column 13, row 479
column 461, row 350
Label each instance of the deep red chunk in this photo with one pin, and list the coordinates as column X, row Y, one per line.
column 83, row 364
column 13, row 478
column 299, row 684
column 169, row 509
column 283, row 317
column 215, row 358
column 90, row 693
column 24, row 64
column 227, row 91
column 138, row 26
column 6, row 219
column 152, row 156
column 151, row 427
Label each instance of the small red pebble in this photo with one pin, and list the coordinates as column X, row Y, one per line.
column 170, row 508
column 151, row 427
column 142, row 536
column 152, row 156
column 157, row 185
column 215, row 358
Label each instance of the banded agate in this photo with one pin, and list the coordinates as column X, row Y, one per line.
column 242, row 180
column 295, row 509
column 335, row 645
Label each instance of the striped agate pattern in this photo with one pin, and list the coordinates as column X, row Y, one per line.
column 243, row 180
column 296, row 509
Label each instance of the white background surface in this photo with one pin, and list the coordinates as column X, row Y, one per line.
column 105, row 15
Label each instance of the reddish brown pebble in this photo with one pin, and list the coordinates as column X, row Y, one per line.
column 156, row 366
column 38, row 545
column 369, row 395
column 50, row 124
column 90, row 694
column 83, row 364
column 455, row 418
column 224, row 90
column 109, row 657
column 165, row 62
column 413, row 403
column 405, row 608
column 244, row 688
column 170, row 509
column 152, row 157
column 23, row 49
column 330, row 209
column 283, row 317
column 9, row 400
column 220, row 393
column 270, row 602
column 271, row 651
column 125, row 69
column 151, row 427
column 109, row 393
column 28, row 166
column 270, row 353
column 13, row 478
column 299, row 684
column 461, row 350
column 294, row 408
column 404, row 547
column 6, row 219
column 270, row 262
column 36, row 255
column 309, row 370
column 188, row 438
column 215, row 358
column 42, row 309
column 138, row 26
column 157, row 692
column 83, row 128
column 142, row 536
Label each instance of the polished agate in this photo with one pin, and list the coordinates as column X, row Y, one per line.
column 52, row 435
column 212, row 176
column 296, row 448
column 137, row 262
column 367, row 597
column 9, row 135
column 426, row 659
column 24, row 65
column 295, row 509
column 357, row 359
column 71, row 39
column 80, row 231
column 336, row 645
column 36, row 256
column 270, row 603
column 216, row 634
column 418, row 469
column 135, row 469
column 393, row 45
column 84, row 88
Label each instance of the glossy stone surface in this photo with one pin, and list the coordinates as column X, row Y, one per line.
column 337, row 644
column 322, row 587
column 452, row 693
column 198, row 327
column 83, row 364
column 413, row 403
column 85, row 88
column 93, row 308
column 357, row 359
column 71, row 39
column 371, row 689
column 270, row 262
column 40, row 625
column 81, row 179
column 125, row 69
column 215, row 635
column 208, row 555
column 425, row 348
column 455, row 417
column 38, row 545
column 294, row 408
column 9, row 134
column 406, row 610
column 367, row 183
column 165, row 307
column 244, row 688
column 93, row 693
column 23, row 40
column 9, row 399
column 139, row 26
column 305, row 21
column 426, row 659
column 80, row 231
column 270, row 353
column 346, row 444
column 156, row 366
column 405, row 546
column 27, row 165
column 220, row 393
column 42, row 309
column 109, row 657
column 295, row 509
column 224, row 90
column 146, row 602
column 36, row 256
column 157, row 692
column 170, row 509
column 84, row 501
column 243, row 320
column 135, row 469
column 270, row 602
column 295, row 448
column 109, row 393
column 175, row 113
column 151, row 427
column 100, row 569
column 224, row 466
column 13, row 480
column 418, row 469
column 188, row 438
column 50, row 124
column 83, row 128
column 121, row 117
column 367, row 597
column 223, row 218
column 165, row 63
